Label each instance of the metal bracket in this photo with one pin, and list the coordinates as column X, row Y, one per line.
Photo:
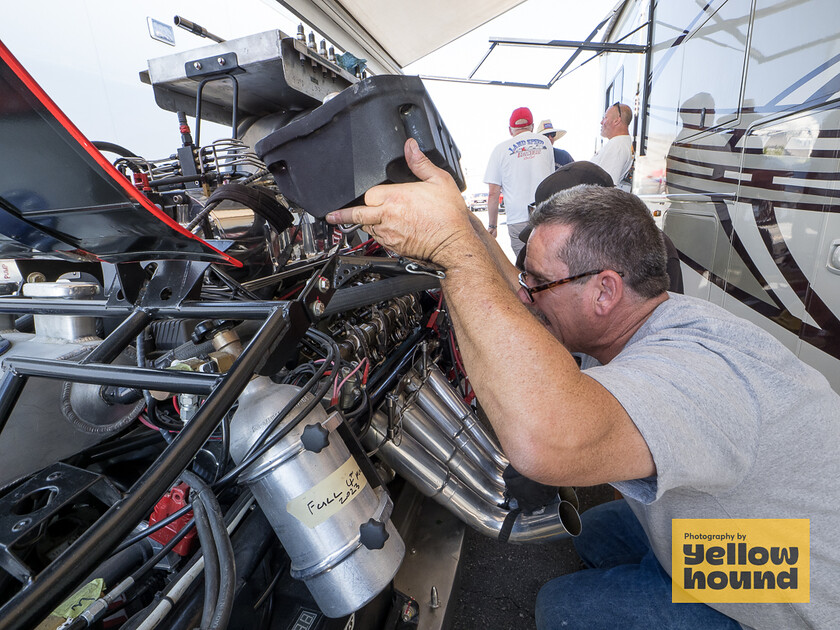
column 123, row 281
column 35, row 502
column 302, row 313
column 346, row 271
column 173, row 282
column 217, row 64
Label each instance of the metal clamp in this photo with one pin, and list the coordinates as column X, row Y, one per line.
column 418, row 269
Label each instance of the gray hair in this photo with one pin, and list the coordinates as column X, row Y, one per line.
column 611, row 229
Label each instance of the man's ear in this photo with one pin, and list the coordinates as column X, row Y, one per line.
column 607, row 291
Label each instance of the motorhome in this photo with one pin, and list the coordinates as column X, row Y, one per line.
column 736, row 139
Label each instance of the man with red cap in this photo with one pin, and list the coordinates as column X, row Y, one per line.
column 515, row 168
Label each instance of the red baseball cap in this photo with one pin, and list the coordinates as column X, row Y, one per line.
column 521, row 117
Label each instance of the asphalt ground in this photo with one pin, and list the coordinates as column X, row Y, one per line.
column 499, row 582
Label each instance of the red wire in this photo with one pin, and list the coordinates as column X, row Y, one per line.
column 357, row 247
column 292, row 292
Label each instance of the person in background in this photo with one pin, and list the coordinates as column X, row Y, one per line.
column 616, row 156
column 561, row 157
column 515, row 168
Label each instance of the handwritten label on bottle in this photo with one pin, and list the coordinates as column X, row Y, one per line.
column 328, row 497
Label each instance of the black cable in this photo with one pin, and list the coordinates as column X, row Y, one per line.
column 151, row 529
column 151, row 403
column 232, row 284
column 160, row 555
column 267, row 593
column 225, row 456
column 266, row 440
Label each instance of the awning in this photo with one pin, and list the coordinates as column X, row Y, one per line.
column 395, row 33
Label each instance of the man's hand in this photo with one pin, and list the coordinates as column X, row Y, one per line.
column 423, row 220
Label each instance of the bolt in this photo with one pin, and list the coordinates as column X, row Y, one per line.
column 435, row 598
column 220, row 61
column 323, row 284
column 413, row 551
column 318, row 308
column 21, row 524
column 36, row 276
column 197, row 65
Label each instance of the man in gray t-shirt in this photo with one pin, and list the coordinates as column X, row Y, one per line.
column 692, row 413
column 738, row 428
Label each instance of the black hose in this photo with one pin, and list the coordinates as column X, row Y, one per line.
column 251, row 543
column 152, row 562
column 211, row 562
column 118, row 566
column 185, row 351
column 110, row 147
column 224, row 549
column 25, row 324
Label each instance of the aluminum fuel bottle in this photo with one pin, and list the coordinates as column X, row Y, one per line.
column 334, row 525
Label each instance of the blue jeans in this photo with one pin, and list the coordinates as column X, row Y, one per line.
column 625, row 586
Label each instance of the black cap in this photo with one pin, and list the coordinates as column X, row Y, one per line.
column 568, row 176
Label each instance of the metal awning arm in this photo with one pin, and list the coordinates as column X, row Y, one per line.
column 600, row 47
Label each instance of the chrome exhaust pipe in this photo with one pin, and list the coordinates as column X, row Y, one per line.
column 440, row 401
column 432, row 478
column 419, row 426
column 461, row 426
column 463, row 412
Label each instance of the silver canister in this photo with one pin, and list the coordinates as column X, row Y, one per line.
column 67, row 327
column 335, row 527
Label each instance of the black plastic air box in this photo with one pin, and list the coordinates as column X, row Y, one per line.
column 330, row 157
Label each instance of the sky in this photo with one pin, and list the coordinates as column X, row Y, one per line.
column 477, row 116
column 87, row 55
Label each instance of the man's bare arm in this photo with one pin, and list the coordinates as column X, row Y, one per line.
column 556, row 424
column 494, row 190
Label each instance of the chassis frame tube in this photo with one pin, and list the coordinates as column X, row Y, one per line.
column 101, row 308
column 123, row 375
column 38, row 598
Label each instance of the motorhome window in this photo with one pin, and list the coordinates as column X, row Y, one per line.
column 697, row 66
column 793, row 60
column 713, row 66
column 615, row 91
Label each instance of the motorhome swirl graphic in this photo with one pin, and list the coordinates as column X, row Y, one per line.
column 737, row 149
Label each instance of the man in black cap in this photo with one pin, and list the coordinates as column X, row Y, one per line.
column 576, row 174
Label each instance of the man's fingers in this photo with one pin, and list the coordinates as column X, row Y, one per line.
column 419, row 164
column 351, row 216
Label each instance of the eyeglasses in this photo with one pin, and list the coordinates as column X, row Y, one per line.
column 556, row 283
column 618, row 109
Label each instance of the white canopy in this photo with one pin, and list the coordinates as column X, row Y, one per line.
column 395, row 33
